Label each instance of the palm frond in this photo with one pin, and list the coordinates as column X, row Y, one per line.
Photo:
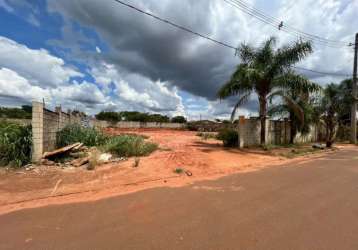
column 291, row 104
column 243, row 99
column 289, row 55
column 296, row 83
column 247, row 53
column 265, row 54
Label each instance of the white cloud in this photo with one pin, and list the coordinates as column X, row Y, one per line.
column 38, row 66
column 14, row 85
column 6, row 6
column 32, row 19
column 98, row 50
column 136, row 92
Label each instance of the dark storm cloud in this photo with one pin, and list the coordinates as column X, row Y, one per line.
column 144, row 45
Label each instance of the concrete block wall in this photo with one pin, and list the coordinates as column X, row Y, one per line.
column 135, row 125
column 45, row 125
column 277, row 132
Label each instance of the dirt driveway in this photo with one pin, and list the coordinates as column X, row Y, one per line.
column 205, row 159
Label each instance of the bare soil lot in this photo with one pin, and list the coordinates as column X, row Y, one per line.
column 205, row 159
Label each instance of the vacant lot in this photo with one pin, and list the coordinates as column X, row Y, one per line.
column 205, row 159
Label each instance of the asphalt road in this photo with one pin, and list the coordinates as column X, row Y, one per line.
column 312, row 205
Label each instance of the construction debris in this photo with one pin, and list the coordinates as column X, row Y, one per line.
column 61, row 150
column 319, row 146
column 104, row 158
column 79, row 162
column 78, row 155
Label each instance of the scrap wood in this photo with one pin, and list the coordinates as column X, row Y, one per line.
column 56, row 186
column 78, row 147
column 60, row 150
column 80, row 162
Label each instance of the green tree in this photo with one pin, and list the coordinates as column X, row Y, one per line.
column 266, row 72
column 178, row 119
column 108, row 116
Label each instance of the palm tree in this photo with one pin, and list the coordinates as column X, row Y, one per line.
column 266, row 72
column 299, row 105
column 329, row 108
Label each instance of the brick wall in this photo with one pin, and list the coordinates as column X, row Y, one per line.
column 45, row 125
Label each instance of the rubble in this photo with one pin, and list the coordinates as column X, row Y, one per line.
column 61, row 150
column 78, row 155
column 105, row 157
column 79, row 162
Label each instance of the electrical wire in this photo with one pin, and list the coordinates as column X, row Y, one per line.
column 278, row 24
column 207, row 37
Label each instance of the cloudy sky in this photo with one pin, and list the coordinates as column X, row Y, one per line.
column 99, row 55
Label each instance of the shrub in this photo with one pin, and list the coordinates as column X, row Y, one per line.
column 76, row 133
column 15, row 144
column 178, row 119
column 178, row 170
column 129, row 145
column 207, row 135
column 230, row 137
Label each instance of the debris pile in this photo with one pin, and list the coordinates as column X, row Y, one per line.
column 77, row 155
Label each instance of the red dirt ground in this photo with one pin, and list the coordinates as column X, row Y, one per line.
column 206, row 159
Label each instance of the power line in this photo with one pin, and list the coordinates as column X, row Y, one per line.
column 276, row 23
column 175, row 25
column 205, row 36
column 322, row 73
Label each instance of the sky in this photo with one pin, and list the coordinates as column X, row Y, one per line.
column 95, row 55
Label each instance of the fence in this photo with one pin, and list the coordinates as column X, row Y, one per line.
column 45, row 125
column 134, row 125
column 277, row 132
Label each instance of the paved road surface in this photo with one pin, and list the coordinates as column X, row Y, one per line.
column 308, row 206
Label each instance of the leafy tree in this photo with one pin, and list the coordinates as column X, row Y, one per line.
column 266, row 72
column 108, row 116
column 178, row 119
column 16, row 113
column 131, row 116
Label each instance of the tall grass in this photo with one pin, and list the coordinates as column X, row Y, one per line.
column 74, row 133
column 15, row 144
column 129, row 145
column 122, row 145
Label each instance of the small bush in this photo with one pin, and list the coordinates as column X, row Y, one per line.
column 207, row 135
column 129, row 145
column 76, row 133
column 178, row 170
column 230, row 137
column 15, row 144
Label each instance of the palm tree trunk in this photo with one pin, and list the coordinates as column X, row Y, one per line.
column 263, row 112
column 293, row 129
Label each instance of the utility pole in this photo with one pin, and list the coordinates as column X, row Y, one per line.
column 354, row 93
